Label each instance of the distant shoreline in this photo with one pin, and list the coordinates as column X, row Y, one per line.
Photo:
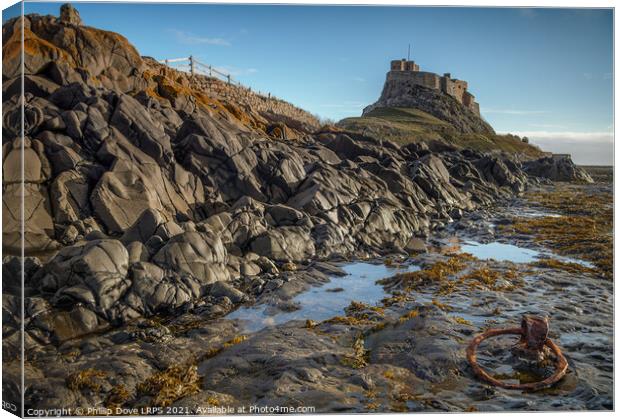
column 602, row 173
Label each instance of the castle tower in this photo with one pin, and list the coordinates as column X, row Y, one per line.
column 404, row 65
column 405, row 73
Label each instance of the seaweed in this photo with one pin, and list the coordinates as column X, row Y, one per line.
column 85, row 379
column 117, row 396
column 584, row 230
column 360, row 356
column 176, row 382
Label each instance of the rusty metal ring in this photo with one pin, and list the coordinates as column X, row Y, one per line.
column 561, row 365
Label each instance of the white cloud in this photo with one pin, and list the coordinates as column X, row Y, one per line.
column 595, row 148
column 511, row 111
column 190, row 39
column 572, row 136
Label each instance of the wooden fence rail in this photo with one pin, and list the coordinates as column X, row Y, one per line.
column 193, row 66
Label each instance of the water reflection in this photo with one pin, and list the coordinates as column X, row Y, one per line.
column 326, row 301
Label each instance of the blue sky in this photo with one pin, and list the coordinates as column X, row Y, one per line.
column 546, row 73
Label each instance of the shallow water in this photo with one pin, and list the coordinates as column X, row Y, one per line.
column 532, row 213
column 511, row 253
column 500, row 251
column 326, row 301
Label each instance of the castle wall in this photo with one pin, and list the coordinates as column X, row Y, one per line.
column 468, row 99
column 447, row 86
column 475, row 107
column 422, row 78
column 402, row 73
column 458, row 90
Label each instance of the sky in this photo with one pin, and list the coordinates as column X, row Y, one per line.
column 543, row 73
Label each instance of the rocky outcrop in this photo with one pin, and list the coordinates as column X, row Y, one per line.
column 69, row 15
column 65, row 51
column 142, row 192
column 557, row 168
column 433, row 102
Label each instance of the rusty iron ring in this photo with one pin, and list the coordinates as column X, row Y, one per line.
column 561, row 365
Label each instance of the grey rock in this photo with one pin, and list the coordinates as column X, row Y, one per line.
column 137, row 252
column 557, row 168
column 416, row 245
column 224, row 289
column 284, row 244
column 145, row 226
column 201, row 255
column 69, row 15
column 249, row 269
column 70, row 235
column 93, row 274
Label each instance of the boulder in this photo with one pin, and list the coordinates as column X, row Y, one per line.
column 284, row 244
column 415, row 245
column 70, row 195
column 121, row 196
column 224, row 289
column 144, row 227
column 137, row 252
column 94, row 273
column 154, row 290
column 201, row 255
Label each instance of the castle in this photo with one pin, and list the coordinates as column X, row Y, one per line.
column 408, row 72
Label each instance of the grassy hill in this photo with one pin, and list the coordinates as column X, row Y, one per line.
column 407, row 125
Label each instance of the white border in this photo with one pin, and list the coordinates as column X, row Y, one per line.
column 477, row 3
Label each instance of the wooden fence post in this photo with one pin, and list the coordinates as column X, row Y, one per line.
column 228, row 77
column 191, row 65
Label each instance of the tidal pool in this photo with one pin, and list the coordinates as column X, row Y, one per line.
column 325, row 301
column 500, row 251
column 512, row 253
